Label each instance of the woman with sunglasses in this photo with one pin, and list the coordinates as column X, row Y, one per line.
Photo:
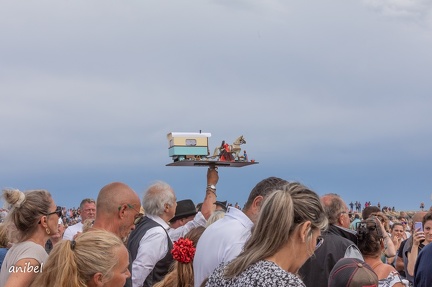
column 32, row 219
column 286, row 234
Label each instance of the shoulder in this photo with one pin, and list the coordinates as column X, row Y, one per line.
column 29, row 249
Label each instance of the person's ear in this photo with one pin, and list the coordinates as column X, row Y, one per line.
column 257, row 202
column 97, row 280
column 121, row 210
column 304, row 230
column 340, row 219
column 43, row 221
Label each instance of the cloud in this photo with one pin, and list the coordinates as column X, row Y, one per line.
column 416, row 10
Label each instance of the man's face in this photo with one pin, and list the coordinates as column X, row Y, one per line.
column 344, row 218
column 132, row 214
column 88, row 211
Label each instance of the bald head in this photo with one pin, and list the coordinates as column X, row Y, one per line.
column 113, row 195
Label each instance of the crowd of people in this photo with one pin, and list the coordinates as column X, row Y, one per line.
column 285, row 235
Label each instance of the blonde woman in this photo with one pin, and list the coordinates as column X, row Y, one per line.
column 95, row 258
column 286, row 234
column 31, row 221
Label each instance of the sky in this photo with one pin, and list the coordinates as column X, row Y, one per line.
column 333, row 94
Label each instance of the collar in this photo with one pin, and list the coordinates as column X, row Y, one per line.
column 158, row 220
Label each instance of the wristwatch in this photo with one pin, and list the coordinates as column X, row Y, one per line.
column 211, row 186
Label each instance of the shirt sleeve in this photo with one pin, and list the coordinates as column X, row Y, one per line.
column 198, row 220
column 152, row 248
column 68, row 234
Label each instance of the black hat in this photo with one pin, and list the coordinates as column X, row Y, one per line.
column 352, row 272
column 222, row 204
column 185, row 208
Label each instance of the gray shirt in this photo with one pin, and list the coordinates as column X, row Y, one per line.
column 18, row 251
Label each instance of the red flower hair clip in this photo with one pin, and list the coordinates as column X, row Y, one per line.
column 183, row 250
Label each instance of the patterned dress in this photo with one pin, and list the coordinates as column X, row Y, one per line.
column 391, row 280
column 261, row 274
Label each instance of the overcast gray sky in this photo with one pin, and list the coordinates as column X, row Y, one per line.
column 335, row 94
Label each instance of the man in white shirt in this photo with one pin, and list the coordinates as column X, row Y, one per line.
column 150, row 243
column 87, row 211
column 223, row 240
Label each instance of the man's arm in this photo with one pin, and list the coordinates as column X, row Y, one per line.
column 208, row 206
column 178, row 232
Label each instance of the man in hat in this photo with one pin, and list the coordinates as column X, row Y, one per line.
column 151, row 242
column 185, row 212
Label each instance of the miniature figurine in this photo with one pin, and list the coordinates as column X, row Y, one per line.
column 234, row 149
column 245, row 157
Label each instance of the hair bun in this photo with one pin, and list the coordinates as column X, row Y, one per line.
column 14, row 197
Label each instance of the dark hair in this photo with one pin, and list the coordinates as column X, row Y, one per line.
column 264, row 188
column 369, row 236
column 427, row 217
column 368, row 210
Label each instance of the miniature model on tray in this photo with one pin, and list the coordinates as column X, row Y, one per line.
column 191, row 147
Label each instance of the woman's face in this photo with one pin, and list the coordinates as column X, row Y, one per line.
column 52, row 219
column 120, row 272
column 310, row 246
column 427, row 228
column 398, row 231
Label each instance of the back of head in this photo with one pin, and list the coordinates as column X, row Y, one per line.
column 182, row 271
column 111, row 196
column 25, row 212
column 333, row 206
column 73, row 263
column 281, row 213
column 216, row 215
column 368, row 210
column 264, row 188
column 4, row 242
column 156, row 196
column 369, row 236
column 352, row 272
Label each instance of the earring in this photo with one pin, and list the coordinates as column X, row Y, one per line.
column 48, row 231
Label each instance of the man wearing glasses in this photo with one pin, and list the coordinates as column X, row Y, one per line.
column 339, row 242
column 87, row 211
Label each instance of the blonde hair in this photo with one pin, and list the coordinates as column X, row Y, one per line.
column 3, row 236
column 26, row 208
column 281, row 213
column 181, row 274
column 215, row 216
column 74, row 263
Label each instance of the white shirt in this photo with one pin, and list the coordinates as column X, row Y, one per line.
column 221, row 242
column 176, row 233
column 72, row 230
column 153, row 247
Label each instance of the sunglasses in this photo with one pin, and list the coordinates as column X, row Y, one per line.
column 58, row 211
column 319, row 242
